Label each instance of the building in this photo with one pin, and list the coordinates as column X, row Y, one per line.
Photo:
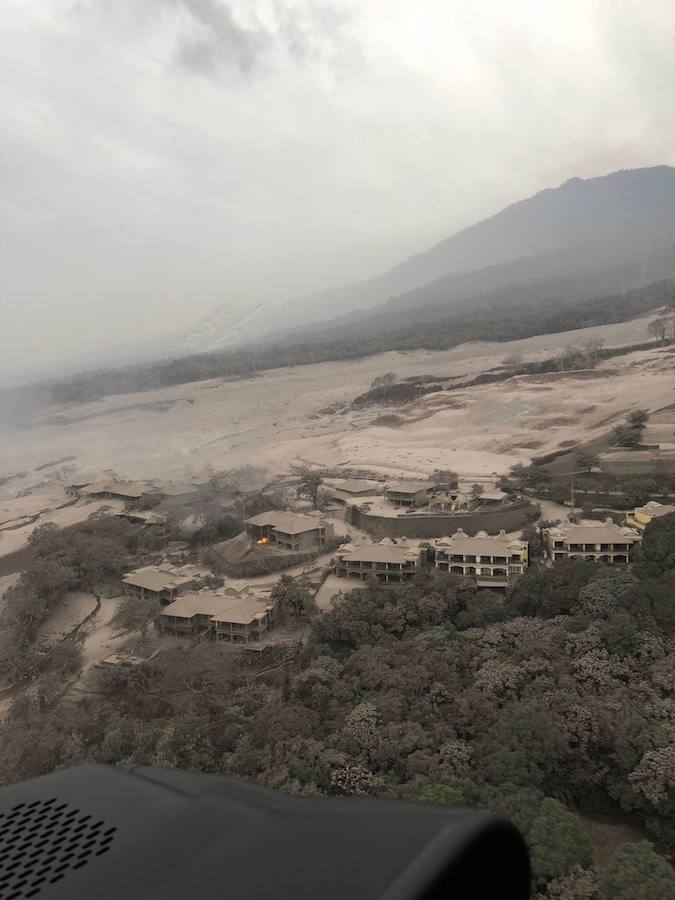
column 78, row 485
column 353, row 489
column 592, row 540
column 118, row 490
column 408, row 493
column 643, row 515
column 234, row 614
column 289, row 531
column 389, row 562
column 493, row 561
column 492, row 497
column 161, row 582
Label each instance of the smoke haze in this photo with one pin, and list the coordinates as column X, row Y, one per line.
column 167, row 162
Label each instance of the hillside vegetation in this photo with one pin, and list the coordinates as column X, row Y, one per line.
column 513, row 318
column 553, row 700
column 606, row 234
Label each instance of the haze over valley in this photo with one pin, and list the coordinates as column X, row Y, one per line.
column 337, row 445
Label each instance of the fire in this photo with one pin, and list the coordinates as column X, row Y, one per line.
column 263, row 540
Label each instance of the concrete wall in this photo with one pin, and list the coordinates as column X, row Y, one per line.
column 510, row 518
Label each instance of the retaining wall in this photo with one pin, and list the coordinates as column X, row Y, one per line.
column 511, row 518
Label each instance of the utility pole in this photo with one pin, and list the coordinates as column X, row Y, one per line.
column 572, row 485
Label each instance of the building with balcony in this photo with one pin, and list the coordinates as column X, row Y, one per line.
column 163, row 582
column 288, row 531
column 643, row 515
column 233, row 614
column 493, row 561
column 591, row 540
column 408, row 493
column 389, row 562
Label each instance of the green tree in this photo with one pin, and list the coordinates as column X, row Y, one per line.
column 558, row 842
column 637, row 871
column 638, row 418
column 658, row 545
column 625, row 435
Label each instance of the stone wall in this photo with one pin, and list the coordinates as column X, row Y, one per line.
column 510, row 518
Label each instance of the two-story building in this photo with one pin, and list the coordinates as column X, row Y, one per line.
column 163, row 582
column 408, row 493
column 643, row 515
column 389, row 562
column 237, row 615
column 289, row 531
column 353, row 489
column 591, row 540
column 494, row 561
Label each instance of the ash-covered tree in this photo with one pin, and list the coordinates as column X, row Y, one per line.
column 309, row 487
column 629, row 433
column 586, row 460
column 661, row 329
column 136, row 615
column 638, row 418
column 294, row 599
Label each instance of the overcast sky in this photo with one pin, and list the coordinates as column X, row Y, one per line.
column 161, row 158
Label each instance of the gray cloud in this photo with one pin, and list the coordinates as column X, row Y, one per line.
column 223, row 39
column 163, row 159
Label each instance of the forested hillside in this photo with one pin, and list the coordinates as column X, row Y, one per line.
column 518, row 314
column 555, row 700
column 610, row 230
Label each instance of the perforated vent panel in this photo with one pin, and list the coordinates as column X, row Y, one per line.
column 42, row 842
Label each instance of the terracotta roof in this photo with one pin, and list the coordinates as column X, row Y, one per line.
column 285, row 522
column 409, row 487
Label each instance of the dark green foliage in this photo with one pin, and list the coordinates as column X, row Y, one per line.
column 637, row 871
column 629, row 434
column 550, row 592
column 77, row 558
column 533, row 705
column 658, row 545
column 585, row 460
column 556, row 838
column 512, row 315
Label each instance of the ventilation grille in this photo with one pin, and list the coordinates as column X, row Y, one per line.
column 41, row 842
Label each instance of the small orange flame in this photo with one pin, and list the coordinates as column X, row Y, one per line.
column 263, row 540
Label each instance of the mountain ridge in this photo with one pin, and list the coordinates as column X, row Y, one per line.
column 633, row 205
